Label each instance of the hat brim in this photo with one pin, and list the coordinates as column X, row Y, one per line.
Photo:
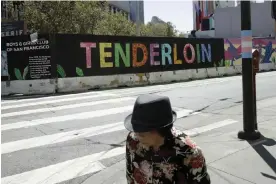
column 129, row 126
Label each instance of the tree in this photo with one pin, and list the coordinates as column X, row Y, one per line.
column 115, row 24
column 63, row 16
column 158, row 29
column 86, row 17
column 171, row 30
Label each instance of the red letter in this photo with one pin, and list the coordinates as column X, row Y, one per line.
column 88, row 46
column 185, row 53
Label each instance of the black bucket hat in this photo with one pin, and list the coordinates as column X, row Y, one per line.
column 150, row 112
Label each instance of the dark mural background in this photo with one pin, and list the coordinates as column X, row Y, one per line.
column 27, row 60
column 73, row 60
column 88, row 55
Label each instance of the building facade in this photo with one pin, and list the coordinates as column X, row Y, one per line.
column 223, row 19
column 132, row 9
column 203, row 13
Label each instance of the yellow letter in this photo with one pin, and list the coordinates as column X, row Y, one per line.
column 175, row 60
column 104, row 54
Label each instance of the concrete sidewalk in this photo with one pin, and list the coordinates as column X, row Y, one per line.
column 230, row 160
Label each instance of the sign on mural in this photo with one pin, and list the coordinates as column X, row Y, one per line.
column 28, row 60
column 87, row 55
column 13, row 28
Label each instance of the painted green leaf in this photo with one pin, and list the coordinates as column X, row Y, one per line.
column 273, row 60
column 17, row 74
column 25, row 72
column 79, row 72
column 61, row 71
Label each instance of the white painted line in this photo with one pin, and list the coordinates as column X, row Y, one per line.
column 197, row 131
column 65, row 170
column 63, row 107
column 68, row 136
column 49, row 97
column 77, row 116
column 56, row 101
column 60, row 137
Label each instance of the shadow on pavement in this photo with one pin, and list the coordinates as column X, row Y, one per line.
column 266, row 156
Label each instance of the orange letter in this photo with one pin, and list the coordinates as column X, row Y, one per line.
column 135, row 46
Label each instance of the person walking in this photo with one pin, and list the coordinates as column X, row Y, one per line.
column 158, row 153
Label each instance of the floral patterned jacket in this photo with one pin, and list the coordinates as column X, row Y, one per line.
column 178, row 161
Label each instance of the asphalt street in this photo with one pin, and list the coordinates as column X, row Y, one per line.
column 72, row 137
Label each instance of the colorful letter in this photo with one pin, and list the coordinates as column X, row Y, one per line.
column 152, row 54
column 104, row 54
column 166, row 54
column 208, row 53
column 175, row 60
column 135, row 46
column 88, row 46
column 185, row 53
column 198, row 53
column 125, row 56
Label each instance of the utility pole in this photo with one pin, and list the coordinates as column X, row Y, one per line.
column 137, row 18
column 249, row 119
column 273, row 15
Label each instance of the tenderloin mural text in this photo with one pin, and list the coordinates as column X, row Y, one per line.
column 88, row 55
column 167, row 53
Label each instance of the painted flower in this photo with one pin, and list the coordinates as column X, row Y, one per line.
column 133, row 144
column 189, row 142
column 157, row 174
column 139, row 176
column 146, row 168
column 168, row 170
column 197, row 162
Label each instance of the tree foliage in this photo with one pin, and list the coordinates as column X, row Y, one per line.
column 86, row 17
column 115, row 24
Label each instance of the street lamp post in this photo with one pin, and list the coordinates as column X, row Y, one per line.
column 249, row 119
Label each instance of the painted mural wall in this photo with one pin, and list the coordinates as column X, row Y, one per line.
column 91, row 55
column 232, row 51
column 88, row 55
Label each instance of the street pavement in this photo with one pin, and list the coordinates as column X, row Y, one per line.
column 80, row 138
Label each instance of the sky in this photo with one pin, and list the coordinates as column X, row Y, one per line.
column 180, row 13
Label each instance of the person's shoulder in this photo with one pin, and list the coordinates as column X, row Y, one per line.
column 183, row 142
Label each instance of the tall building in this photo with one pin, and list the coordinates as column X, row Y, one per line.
column 223, row 19
column 130, row 8
column 203, row 13
column 157, row 20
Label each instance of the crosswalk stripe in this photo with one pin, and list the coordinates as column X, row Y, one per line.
column 56, row 101
column 63, row 107
column 196, row 131
column 65, row 170
column 68, row 136
column 60, row 137
column 77, row 116
column 49, row 97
